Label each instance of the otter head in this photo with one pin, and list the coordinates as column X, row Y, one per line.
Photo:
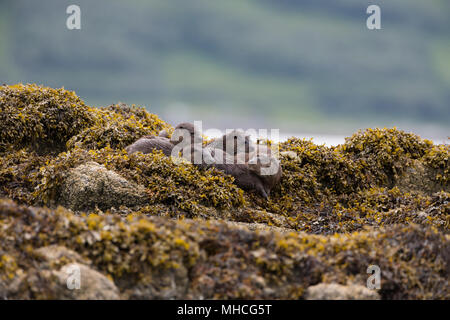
column 186, row 126
column 237, row 142
column 268, row 169
column 184, row 129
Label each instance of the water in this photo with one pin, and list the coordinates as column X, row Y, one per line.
column 320, row 139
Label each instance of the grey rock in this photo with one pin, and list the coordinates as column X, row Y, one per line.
column 92, row 185
column 334, row 291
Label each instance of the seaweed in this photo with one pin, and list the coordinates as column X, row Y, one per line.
column 40, row 117
column 380, row 198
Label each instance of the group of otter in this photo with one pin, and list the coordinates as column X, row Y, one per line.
column 252, row 165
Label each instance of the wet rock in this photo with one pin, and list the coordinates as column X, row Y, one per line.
column 92, row 185
column 289, row 154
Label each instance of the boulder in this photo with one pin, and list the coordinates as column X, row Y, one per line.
column 59, row 273
column 91, row 185
column 334, row 291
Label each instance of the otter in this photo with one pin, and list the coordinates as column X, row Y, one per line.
column 233, row 143
column 247, row 176
column 147, row 144
column 186, row 130
column 268, row 169
column 253, row 174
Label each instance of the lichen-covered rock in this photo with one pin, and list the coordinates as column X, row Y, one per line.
column 93, row 284
column 56, row 254
column 91, row 185
column 334, row 291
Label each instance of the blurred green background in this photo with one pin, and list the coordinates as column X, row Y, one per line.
column 302, row 66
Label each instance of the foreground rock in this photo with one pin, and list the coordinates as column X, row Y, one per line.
column 155, row 257
column 333, row 291
column 59, row 273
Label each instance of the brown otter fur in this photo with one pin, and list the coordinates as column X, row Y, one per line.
column 248, row 176
column 195, row 138
column 268, row 169
column 147, row 145
column 233, row 143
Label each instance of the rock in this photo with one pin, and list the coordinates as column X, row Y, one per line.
column 92, row 185
column 420, row 178
column 93, row 284
column 170, row 283
column 260, row 227
column 289, row 154
column 53, row 278
column 55, row 252
column 334, row 291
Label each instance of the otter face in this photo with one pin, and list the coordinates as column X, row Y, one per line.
column 247, row 145
column 186, row 126
column 237, row 142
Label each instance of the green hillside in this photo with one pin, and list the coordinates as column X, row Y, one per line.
column 300, row 63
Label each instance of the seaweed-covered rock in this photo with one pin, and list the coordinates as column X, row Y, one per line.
column 181, row 186
column 117, row 126
column 150, row 257
column 91, row 185
column 334, row 291
column 60, row 273
column 386, row 152
column 158, row 228
column 40, row 117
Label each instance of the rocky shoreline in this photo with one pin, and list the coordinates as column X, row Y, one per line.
column 142, row 227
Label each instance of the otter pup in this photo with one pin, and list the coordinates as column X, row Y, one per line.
column 246, row 176
column 268, row 169
column 187, row 136
column 149, row 143
column 233, row 143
